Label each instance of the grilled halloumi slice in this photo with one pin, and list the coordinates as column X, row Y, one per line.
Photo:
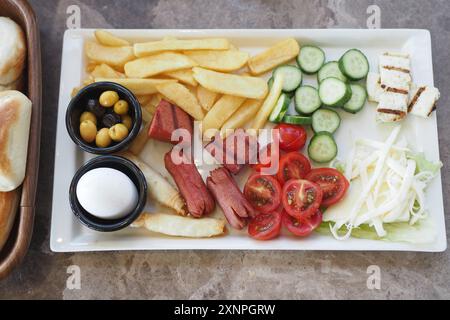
column 395, row 72
column 423, row 100
column 393, row 107
column 373, row 84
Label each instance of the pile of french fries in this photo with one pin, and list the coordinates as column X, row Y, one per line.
column 210, row 79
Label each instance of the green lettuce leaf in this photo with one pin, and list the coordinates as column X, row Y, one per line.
column 423, row 164
column 423, row 232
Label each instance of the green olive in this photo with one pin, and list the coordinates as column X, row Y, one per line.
column 88, row 116
column 88, row 131
column 121, row 107
column 118, row 132
column 103, row 140
column 127, row 121
column 108, row 98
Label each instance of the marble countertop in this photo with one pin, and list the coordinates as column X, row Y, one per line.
column 228, row 275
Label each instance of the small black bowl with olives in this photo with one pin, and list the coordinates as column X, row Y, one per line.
column 103, row 118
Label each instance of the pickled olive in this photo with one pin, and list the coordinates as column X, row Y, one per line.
column 103, row 140
column 118, row 132
column 94, row 106
column 108, row 98
column 121, row 107
column 110, row 119
column 127, row 121
column 88, row 131
column 88, row 116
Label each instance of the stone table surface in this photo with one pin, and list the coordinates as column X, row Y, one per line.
column 228, row 275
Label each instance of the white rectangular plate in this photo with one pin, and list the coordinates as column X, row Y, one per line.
column 67, row 234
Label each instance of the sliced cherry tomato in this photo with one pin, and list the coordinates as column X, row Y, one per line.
column 302, row 228
column 263, row 192
column 333, row 184
column 301, row 198
column 293, row 165
column 265, row 226
column 265, row 158
column 292, row 137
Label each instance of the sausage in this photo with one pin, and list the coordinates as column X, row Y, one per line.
column 244, row 150
column 199, row 201
column 227, row 194
column 167, row 118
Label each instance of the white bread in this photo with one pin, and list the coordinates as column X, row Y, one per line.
column 9, row 202
column 15, row 116
column 12, row 51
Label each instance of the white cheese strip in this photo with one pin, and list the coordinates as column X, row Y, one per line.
column 373, row 85
column 423, row 100
column 393, row 107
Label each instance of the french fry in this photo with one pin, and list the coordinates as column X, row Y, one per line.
column 113, row 56
column 177, row 226
column 144, row 99
column 139, row 86
column 108, row 39
column 149, row 48
column 91, row 66
column 146, row 115
column 155, row 100
column 141, row 139
column 270, row 102
column 159, row 188
column 219, row 60
column 183, row 98
column 206, row 98
column 184, row 76
column 156, row 64
column 231, row 84
column 241, row 116
column 219, row 113
column 105, row 71
column 280, row 53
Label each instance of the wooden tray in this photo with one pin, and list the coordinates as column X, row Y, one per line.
column 17, row 246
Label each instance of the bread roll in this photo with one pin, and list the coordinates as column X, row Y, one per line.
column 15, row 116
column 16, row 85
column 9, row 202
column 12, row 51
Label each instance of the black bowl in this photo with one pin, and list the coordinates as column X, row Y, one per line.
column 78, row 105
column 123, row 165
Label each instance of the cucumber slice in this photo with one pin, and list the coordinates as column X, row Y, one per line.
column 330, row 70
column 310, row 59
column 334, row 92
column 358, row 99
column 325, row 120
column 292, row 77
column 322, row 147
column 354, row 64
column 280, row 108
column 297, row 120
column 307, row 100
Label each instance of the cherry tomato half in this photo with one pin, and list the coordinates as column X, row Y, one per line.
column 292, row 137
column 265, row 158
column 293, row 165
column 302, row 228
column 263, row 192
column 333, row 184
column 265, row 226
column 301, row 198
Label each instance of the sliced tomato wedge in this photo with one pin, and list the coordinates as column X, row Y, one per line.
column 265, row 158
column 293, row 165
column 265, row 226
column 333, row 184
column 292, row 137
column 263, row 192
column 301, row 198
column 302, row 228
